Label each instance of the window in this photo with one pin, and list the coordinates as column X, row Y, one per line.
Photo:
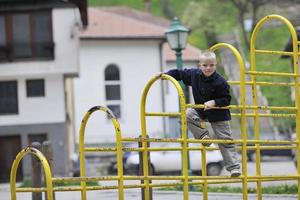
column 35, row 88
column 42, row 137
column 113, row 89
column 8, row 97
column 26, row 35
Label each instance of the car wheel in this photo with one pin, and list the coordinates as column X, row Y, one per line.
column 214, row 169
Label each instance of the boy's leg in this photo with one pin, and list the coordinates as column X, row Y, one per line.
column 194, row 125
column 222, row 131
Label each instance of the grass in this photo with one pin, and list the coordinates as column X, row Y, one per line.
column 280, row 189
column 28, row 183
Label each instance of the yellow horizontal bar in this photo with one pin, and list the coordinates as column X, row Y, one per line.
column 271, row 142
column 95, row 149
column 175, row 140
column 171, row 114
column 271, row 147
column 248, row 114
column 265, row 115
column 113, row 149
column 248, row 107
column 31, row 189
column 271, row 73
column 261, row 51
column 263, row 83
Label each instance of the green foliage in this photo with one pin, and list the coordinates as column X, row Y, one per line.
column 275, row 38
column 280, row 189
column 28, row 183
column 205, row 15
column 197, row 38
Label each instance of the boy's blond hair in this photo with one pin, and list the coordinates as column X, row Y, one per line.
column 206, row 55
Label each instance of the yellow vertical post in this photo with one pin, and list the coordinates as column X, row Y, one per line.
column 46, row 167
column 242, row 111
column 204, row 172
column 144, row 137
column 118, row 144
column 183, row 129
column 119, row 156
column 82, row 153
column 255, row 103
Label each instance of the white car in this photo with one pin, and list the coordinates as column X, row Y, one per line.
column 170, row 161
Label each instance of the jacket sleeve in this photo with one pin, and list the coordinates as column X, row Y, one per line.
column 182, row 75
column 223, row 95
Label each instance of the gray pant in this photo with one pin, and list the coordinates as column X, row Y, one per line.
column 222, row 131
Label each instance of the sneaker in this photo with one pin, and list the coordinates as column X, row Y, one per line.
column 235, row 173
column 205, row 137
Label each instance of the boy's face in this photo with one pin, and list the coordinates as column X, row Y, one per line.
column 208, row 66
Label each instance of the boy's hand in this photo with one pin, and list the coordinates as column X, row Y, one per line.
column 209, row 104
column 159, row 74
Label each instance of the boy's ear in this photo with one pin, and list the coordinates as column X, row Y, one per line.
column 198, row 64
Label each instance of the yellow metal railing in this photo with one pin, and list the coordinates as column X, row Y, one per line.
column 185, row 180
column 294, row 55
column 46, row 167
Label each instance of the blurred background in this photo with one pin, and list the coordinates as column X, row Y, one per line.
column 59, row 58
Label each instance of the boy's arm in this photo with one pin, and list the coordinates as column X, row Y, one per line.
column 181, row 75
column 223, row 93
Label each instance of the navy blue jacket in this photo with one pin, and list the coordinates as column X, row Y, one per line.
column 204, row 89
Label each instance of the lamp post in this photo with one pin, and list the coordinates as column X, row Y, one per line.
column 177, row 36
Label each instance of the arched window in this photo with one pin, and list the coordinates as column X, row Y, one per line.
column 113, row 89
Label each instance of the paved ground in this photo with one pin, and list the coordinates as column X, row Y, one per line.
column 134, row 194
column 269, row 166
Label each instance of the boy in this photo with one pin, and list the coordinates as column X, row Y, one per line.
column 211, row 89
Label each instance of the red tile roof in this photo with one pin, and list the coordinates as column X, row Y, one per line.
column 107, row 23
column 190, row 53
column 127, row 23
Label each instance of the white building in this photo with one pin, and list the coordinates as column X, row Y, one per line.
column 120, row 51
column 38, row 52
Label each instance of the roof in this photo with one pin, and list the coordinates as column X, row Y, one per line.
column 190, row 53
column 108, row 23
column 127, row 23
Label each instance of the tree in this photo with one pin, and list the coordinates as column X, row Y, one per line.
column 199, row 16
column 251, row 8
column 167, row 9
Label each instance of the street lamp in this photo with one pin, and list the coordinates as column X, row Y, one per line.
column 177, row 36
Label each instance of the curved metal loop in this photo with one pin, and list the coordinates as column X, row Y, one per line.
column 258, row 26
column 118, row 143
column 183, row 131
column 145, row 93
column 46, row 167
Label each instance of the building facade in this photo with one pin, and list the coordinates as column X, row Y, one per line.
column 38, row 53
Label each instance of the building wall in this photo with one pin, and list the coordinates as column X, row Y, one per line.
column 138, row 61
column 55, row 132
column 66, row 49
column 46, row 114
column 37, row 110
